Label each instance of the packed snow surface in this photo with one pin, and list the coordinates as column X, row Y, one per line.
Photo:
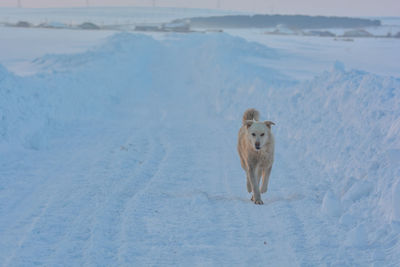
column 125, row 155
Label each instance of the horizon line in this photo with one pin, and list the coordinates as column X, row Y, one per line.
column 244, row 12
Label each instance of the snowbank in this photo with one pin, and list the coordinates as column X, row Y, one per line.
column 341, row 130
column 125, row 69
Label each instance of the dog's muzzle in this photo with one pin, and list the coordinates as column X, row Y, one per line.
column 257, row 145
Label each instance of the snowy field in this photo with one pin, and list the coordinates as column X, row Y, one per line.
column 119, row 149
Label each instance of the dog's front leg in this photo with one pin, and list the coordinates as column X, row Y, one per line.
column 265, row 180
column 255, row 187
column 248, row 182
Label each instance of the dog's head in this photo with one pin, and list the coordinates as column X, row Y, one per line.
column 259, row 133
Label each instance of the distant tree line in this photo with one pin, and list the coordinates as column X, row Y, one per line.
column 267, row 21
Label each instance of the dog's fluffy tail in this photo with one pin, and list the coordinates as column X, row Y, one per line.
column 251, row 114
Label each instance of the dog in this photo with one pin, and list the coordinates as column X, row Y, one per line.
column 256, row 151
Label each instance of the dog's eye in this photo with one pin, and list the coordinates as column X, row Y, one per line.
column 262, row 134
column 253, row 134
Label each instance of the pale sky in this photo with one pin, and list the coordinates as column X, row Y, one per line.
column 311, row 7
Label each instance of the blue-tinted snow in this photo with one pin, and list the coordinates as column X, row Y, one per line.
column 126, row 155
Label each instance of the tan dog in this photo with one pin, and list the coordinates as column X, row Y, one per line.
column 256, row 151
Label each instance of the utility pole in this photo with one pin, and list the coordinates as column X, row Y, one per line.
column 218, row 4
column 87, row 3
column 154, row 3
column 19, row 4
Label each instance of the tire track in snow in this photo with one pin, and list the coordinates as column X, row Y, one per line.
column 98, row 192
column 26, row 235
column 52, row 224
column 63, row 231
column 158, row 219
column 146, row 175
column 104, row 242
column 292, row 232
column 65, row 226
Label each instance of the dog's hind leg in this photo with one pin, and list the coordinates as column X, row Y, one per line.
column 265, row 180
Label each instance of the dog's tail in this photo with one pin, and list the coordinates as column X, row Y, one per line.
column 251, row 114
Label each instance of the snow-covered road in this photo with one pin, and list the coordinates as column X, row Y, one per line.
column 125, row 155
column 155, row 187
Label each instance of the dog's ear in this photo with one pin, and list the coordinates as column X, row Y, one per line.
column 269, row 123
column 248, row 123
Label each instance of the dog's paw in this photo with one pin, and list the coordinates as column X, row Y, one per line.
column 258, row 202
